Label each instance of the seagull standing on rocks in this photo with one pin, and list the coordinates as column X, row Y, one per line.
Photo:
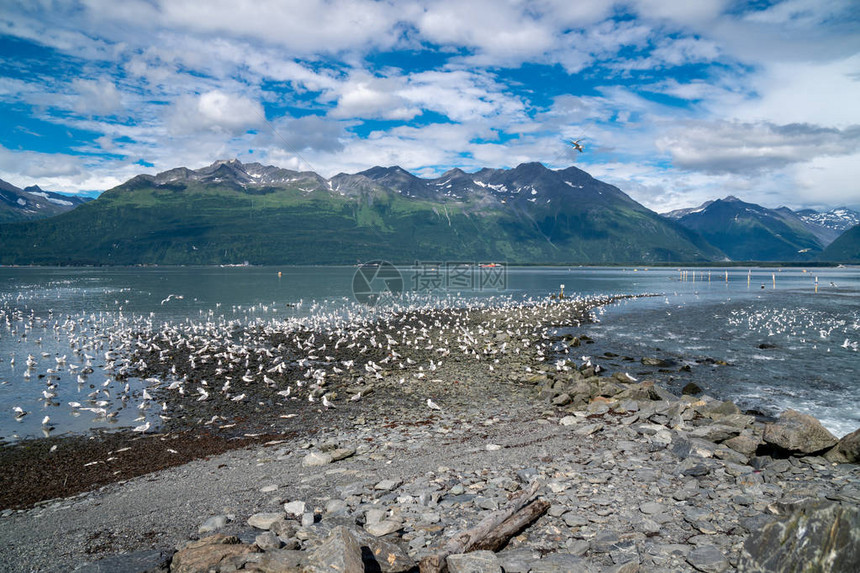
column 141, row 429
column 433, row 405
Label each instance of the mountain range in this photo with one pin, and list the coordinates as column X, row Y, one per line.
column 33, row 203
column 230, row 212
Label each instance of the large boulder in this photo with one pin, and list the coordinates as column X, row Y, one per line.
column 215, row 552
column 798, row 433
column 819, row 537
column 847, row 450
column 340, row 552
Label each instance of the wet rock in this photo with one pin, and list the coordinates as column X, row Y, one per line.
column 798, row 433
column 691, row 389
column 211, row 553
column 823, row 536
column 726, row 408
column 708, row 558
column 340, row 552
column 474, row 562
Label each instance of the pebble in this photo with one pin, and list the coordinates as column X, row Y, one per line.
column 633, row 479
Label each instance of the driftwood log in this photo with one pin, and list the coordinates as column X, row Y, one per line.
column 492, row 532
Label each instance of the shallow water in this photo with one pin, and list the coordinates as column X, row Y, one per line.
column 808, row 360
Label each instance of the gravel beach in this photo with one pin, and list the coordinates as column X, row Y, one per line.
column 636, row 479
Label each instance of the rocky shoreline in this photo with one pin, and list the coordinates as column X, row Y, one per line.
column 635, row 478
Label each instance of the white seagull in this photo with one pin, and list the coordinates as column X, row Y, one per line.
column 433, row 405
column 142, row 428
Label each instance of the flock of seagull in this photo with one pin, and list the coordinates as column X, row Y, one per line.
column 122, row 367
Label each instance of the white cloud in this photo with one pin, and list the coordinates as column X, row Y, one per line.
column 733, row 147
column 32, row 165
column 97, row 97
column 372, row 98
column 214, row 111
column 829, row 181
column 302, row 26
column 497, row 30
column 797, row 92
column 681, row 12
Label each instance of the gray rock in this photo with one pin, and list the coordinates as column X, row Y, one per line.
column 474, row 562
column 295, row 508
column 562, row 563
column 518, row 560
column 708, row 558
column 336, row 507
column 801, row 433
column 715, row 432
column 625, row 552
column 573, row 519
column 279, row 560
column 317, row 459
column 213, row 523
column 214, row 552
column 267, row 541
column 605, row 542
column 341, row 454
column 382, row 555
column 691, row 389
column 823, row 536
column 652, row 507
column 847, row 450
column 283, row 529
column 340, row 552
column 264, row 521
column 375, row 515
column 387, row 485
column 383, row 527
column 686, row 446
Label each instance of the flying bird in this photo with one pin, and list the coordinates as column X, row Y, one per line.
column 576, row 145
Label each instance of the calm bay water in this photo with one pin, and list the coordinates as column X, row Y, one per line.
column 785, row 345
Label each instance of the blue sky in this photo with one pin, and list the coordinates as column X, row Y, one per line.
column 676, row 101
